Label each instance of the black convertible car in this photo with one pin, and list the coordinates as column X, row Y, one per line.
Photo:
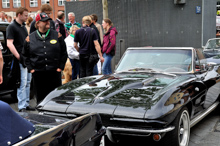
column 156, row 94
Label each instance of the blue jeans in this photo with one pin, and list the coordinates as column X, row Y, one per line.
column 23, row 92
column 75, row 68
column 95, row 70
column 106, row 67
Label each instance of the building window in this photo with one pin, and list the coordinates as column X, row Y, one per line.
column 33, row 3
column 16, row 3
column 5, row 3
column 45, row 1
column 61, row 2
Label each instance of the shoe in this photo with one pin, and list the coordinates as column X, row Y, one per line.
column 22, row 110
column 29, row 108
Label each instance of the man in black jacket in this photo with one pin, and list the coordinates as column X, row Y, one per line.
column 59, row 24
column 45, row 56
column 46, row 9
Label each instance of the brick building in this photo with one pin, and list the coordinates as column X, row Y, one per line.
column 10, row 6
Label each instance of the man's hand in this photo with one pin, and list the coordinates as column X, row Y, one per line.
column 102, row 59
column 1, row 80
column 32, row 71
column 59, row 70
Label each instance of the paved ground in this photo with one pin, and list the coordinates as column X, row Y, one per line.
column 205, row 133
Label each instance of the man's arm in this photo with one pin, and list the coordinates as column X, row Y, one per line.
column 1, row 67
column 98, row 49
column 76, row 46
column 12, row 48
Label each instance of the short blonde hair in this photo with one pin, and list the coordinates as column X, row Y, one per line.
column 74, row 26
column 87, row 20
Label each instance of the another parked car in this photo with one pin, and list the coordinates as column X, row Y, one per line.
column 156, row 93
column 212, row 47
column 86, row 130
column 9, row 82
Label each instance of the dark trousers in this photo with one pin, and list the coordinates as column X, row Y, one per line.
column 86, row 69
column 44, row 82
column 75, row 68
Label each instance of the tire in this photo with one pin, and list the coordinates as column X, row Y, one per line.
column 181, row 134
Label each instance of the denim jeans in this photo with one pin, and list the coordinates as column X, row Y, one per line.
column 106, row 67
column 95, row 70
column 23, row 92
column 75, row 68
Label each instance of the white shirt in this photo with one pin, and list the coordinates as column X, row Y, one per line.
column 1, row 47
column 71, row 51
column 5, row 20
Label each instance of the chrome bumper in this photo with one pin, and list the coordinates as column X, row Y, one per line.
column 110, row 131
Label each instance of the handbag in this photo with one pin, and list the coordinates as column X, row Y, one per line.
column 93, row 58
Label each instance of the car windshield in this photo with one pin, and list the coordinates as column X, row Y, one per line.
column 213, row 44
column 163, row 60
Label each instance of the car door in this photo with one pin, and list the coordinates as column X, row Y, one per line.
column 8, row 84
column 210, row 77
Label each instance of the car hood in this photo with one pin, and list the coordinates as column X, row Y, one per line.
column 117, row 95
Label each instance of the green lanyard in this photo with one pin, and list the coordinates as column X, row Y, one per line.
column 72, row 35
column 45, row 35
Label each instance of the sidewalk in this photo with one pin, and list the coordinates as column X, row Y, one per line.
column 32, row 102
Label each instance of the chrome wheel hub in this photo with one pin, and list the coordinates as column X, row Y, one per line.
column 184, row 129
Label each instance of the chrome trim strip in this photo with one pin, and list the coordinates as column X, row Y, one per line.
column 140, row 131
column 161, row 48
column 203, row 115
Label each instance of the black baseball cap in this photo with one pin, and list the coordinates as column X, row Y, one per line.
column 42, row 17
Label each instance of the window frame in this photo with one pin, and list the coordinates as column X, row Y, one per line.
column 7, row 2
column 62, row 1
column 45, row 2
column 17, row 2
column 34, row 2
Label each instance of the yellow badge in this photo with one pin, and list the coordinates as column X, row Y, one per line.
column 53, row 41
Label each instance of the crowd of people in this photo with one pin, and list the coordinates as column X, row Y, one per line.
column 41, row 47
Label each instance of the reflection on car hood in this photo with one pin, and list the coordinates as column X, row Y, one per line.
column 128, row 94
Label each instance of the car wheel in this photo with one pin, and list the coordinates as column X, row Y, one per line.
column 180, row 135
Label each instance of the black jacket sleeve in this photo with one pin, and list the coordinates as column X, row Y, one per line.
column 63, row 53
column 26, row 54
